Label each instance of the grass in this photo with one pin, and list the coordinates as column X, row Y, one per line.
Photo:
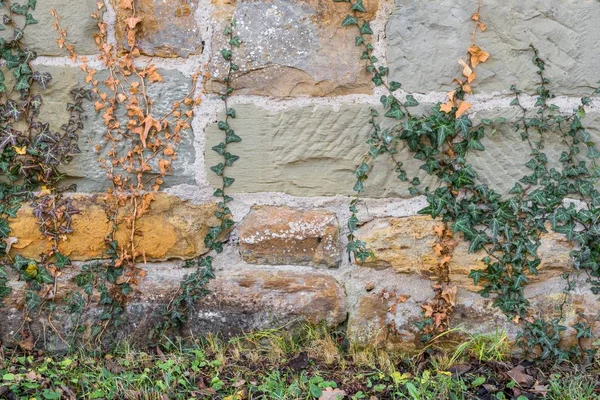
column 313, row 363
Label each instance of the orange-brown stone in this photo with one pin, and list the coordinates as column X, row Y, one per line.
column 406, row 245
column 171, row 229
column 166, row 29
column 282, row 235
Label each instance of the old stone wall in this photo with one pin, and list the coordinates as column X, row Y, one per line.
column 302, row 99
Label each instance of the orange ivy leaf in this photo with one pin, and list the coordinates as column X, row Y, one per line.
column 462, row 108
column 447, row 107
column 478, row 56
column 467, row 71
column 132, row 22
column 126, row 4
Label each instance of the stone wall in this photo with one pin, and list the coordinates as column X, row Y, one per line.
column 303, row 100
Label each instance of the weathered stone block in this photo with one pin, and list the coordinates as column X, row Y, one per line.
column 289, row 47
column 425, row 40
column 281, row 235
column 314, row 151
column 172, row 229
column 239, row 302
column 166, row 29
column 406, row 245
column 85, row 170
column 75, row 17
column 306, row 151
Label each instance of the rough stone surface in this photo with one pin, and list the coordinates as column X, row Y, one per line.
column 74, row 17
column 166, row 29
column 306, row 151
column 172, row 229
column 425, row 40
column 386, row 322
column 239, row 302
column 289, row 47
column 281, row 235
column 85, row 170
column 406, row 245
column 314, row 151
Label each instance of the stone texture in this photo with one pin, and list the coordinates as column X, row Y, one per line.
column 406, row 245
column 239, row 302
column 389, row 323
column 172, row 229
column 74, row 17
column 503, row 161
column 426, row 40
column 85, row 169
column 289, row 47
column 282, row 235
column 306, row 151
column 314, row 151
column 166, row 29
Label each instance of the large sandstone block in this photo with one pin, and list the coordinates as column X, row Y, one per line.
column 425, row 40
column 165, row 29
column 171, row 229
column 407, row 246
column 290, row 46
column 314, row 151
column 85, row 170
column 239, row 302
column 306, row 151
column 75, row 17
column 282, row 235
column 386, row 316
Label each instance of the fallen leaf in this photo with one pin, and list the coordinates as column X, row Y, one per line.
column 519, row 375
column 9, row 242
column 332, row 394
column 20, row 150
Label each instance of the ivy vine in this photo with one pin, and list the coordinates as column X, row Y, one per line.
column 507, row 228
column 31, row 155
column 194, row 285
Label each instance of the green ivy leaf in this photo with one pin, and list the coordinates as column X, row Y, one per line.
column 395, row 112
column 411, row 101
column 395, row 86
column 29, row 20
column 350, row 20
column 358, row 6
column 365, row 29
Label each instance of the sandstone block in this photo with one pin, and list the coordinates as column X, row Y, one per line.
column 239, row 302
column 85, row 170
column 281, row 235
column 171, row 229
column 289, row 47
column 75, row 17
column 425, row 40
column 306, row 151
column 406, row 245
column 166, row 29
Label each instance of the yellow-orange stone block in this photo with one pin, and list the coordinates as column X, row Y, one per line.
column 172, row 228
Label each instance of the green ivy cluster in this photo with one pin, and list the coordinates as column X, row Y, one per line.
column 31, row 153
column 506, row 228
column 193, row 287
